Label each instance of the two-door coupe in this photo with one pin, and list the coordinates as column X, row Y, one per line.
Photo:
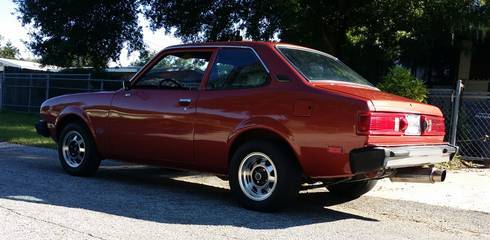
column 270, row 117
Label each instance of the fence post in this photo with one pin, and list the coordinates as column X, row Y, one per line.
column 455, row 112
column 47, row 86
column 88, row 82
column 1, row 88
column 30, row 93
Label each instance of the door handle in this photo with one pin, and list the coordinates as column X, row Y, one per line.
column 127, row 94
column 185, row 101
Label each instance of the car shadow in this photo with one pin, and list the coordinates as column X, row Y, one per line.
column 160, row 195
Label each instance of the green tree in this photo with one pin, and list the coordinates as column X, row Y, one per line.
column 8, row 50
column 370, row 35
column 399, row 81
column 81, row 33
column 319, row 24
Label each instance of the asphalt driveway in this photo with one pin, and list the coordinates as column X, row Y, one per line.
column 39, row 201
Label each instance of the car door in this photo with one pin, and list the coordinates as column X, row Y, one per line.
column 153, row 120
column 235, row 90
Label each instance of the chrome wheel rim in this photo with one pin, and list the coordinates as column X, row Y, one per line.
column 257, row 176
column 73, row 149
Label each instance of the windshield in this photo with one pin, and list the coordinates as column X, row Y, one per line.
column 318, row 66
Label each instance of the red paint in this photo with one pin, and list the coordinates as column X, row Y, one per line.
column 334, row 149
column 317, row 120
column 303, row 108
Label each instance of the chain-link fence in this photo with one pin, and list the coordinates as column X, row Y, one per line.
column 473, row 121
column 474, row 127
column 25, row 92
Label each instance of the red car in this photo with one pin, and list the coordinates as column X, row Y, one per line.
column 270, row 117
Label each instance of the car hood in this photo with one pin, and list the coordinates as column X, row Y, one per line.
column 381, row 101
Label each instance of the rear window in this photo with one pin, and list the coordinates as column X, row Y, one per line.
column 318, row 66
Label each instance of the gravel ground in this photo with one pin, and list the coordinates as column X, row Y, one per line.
column 39, row 201
column 464, row 189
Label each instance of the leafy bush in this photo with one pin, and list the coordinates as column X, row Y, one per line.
column 401, row 82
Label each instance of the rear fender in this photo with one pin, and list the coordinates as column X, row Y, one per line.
column 264, row 123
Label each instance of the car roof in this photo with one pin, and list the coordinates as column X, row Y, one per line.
column 226, row 43
column 235, row 43
column 251, row 44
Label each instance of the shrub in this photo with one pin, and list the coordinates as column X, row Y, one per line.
column 401, row 82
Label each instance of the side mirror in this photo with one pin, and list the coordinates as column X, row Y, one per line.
column 126, row 85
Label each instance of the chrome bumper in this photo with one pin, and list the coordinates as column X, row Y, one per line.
column 375, row 158
column 410, row 156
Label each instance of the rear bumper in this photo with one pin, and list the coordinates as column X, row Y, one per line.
column 42, row 128
column 370, row 159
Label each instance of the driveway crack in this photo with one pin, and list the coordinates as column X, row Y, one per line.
column 51, row 223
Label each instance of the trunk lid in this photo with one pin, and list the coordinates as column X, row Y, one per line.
column 381, row 101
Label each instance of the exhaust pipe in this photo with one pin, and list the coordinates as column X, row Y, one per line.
column 419, row 175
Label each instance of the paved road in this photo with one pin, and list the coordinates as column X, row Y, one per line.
column 39, row 201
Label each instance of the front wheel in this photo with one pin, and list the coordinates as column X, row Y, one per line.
column 77, row 151
column 352, row 190
column 264, row 176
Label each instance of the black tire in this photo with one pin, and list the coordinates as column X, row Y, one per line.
column 352, row 190
column 287, row 173
column 90, row 161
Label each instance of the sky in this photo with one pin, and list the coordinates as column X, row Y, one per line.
column 11, row 30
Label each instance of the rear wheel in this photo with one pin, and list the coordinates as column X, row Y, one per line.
column 264, row 176
column 352, row 190
column 77, row 151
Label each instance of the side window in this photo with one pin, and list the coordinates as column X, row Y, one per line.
column 236, row 68
column 183, row 70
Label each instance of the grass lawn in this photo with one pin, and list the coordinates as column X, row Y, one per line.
column 19, row 128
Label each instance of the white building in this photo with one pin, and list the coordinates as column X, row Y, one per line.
column 5, row 62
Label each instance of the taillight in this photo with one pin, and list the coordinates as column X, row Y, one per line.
column 380, row 123
column 432, row 126
column 396, row 124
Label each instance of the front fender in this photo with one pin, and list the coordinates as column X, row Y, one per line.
column 74, row 111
